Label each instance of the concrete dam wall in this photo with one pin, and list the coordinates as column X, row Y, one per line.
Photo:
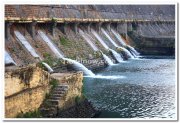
column 66, row 39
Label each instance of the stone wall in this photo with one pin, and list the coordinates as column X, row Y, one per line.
column 150, row 12
column 25, row 90
column 152, row 45
column 74, row 82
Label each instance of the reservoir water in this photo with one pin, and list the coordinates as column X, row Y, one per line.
column 146, row 90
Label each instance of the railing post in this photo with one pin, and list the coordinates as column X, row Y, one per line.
column 33, row 29
column 8, row 30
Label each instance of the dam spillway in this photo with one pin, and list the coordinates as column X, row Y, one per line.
column 118, row 48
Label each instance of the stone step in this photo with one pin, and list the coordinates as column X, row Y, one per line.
column 59, row 92
column 61, row 88
column 55, row 98
column 57, row 95
column 53, row 102
column 61, row 85
column 48, row 109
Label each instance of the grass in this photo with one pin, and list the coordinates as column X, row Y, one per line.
column 77, row 99
column 33, row 114
column 63, row 41
column 54, row 83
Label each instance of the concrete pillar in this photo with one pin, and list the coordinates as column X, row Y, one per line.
column 33, row 29
column 122, row 28
column 98, row 27
column 89, row 27
column 8, row 30
column 108, row 25
column 75, row 27
column 129, row 27
column 63, row 27
column 53, row 26
column 114, row 26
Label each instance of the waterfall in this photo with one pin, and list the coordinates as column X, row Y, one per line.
column 132, row 50
column 99, row 39
column 110, row 39
column 116, row 55
column 22, row 39
column 126, row 52
column 76, row 64
column 118, row 37
column 48, row 67
column 107, row 59
column 8, row 59
column 80, row 66
column 88, row 40
column 50, row 44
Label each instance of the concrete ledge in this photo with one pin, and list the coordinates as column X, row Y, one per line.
column 63, row 20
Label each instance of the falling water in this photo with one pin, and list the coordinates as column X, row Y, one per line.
column 80, row 66
column 107, row 59
column 76, row 64
column 99, row 39
column 22, row 39
column 8, row 59
column 50, row 44
column 110, row 39
column 115, row 54
column 88, row 40
column 118, row 37
column 126, row 52
column 132, row 50
column 48, row 67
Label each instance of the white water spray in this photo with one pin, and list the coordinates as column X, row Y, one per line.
column 26, row 44
column 115, row 54
column 76, row 64
column 118, row 37
column 132, row 50
column 99, row 39
column 110, row 39
column 48, row 67
column 88, row 40
column 107, row 59
column 126, row 52
column 50, row 44
column 8, row 59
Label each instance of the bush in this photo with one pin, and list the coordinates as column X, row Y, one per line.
column 63, row 41
column 54, row 83
column 50, row 60
column 33, row 114
column 77, row 99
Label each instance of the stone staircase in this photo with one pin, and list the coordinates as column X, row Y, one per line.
column 50, row 106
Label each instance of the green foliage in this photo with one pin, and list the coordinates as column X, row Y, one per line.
column 77, row 99
column 97, row 54
column 54, row 83
column 12, row 50
column 50, row 60
column 54, row 20
column 33, row 114
column 46, row 55
column 63, row 41
column 36, row 46
column 47, row 95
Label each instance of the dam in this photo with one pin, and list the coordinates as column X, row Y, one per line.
column 90, row 61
